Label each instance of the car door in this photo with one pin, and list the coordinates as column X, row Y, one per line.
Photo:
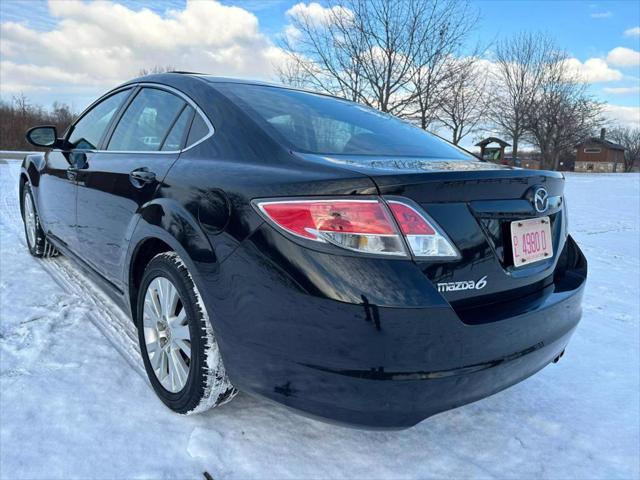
column 57, row 187
column 143, row 144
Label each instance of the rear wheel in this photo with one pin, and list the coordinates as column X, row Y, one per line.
column 36, row 240
column 177, row 343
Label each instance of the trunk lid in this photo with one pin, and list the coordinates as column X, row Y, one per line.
column 474, row 203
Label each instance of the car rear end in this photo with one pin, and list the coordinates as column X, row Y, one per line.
column 384, row 341
column 453, row 281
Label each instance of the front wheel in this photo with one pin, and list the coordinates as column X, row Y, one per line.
column 177, row 342
column 37, row 243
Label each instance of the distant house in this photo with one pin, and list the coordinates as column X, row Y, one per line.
column 597, row 154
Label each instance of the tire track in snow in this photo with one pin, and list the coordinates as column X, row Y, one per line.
column 105, row 315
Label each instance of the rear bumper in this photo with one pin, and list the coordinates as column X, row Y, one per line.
column 388, row 367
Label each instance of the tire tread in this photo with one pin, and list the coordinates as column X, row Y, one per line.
column 214, row 389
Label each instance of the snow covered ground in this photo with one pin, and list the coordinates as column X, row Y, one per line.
column 74, row 402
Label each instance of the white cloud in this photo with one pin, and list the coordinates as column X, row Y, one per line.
column 625, row 116
column 317, row 14
column 632, row 32
column 101, row 44
column 292, row 34
column 36, row 76
column 621, row 90
column 593, row 70
column 606, row 14
column 624, row 57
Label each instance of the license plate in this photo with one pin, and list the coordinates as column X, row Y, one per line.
column 531, row 241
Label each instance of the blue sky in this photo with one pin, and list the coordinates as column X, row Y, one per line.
column 589, row 31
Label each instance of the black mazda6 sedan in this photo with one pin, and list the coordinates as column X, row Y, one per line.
column 306, row 249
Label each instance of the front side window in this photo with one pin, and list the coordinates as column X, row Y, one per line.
column 146, row 122
column 88, row 131
column 320, row 124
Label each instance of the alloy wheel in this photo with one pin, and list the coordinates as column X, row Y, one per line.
column 166, row 334
column 30, row 219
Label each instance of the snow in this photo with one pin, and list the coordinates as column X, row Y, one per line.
column 74, row 401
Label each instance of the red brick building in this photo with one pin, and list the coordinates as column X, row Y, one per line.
column 597, row 154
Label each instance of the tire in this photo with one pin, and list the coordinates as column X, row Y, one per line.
column 37, row 242
column 164, row 323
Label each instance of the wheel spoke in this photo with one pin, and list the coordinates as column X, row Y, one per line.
column 179, row 370
column 163, row 291
column 168, row 297
column 164, row 366
column 185, row 346
column 181, row 332
column 178, row 320
column 154, row 358
column 152, row 346
column 155, row 301
column 173, row 380
column 149, row 316
column 159, row 284
column 172, row 300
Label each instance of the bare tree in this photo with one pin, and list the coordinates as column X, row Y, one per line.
column 375, row 51
column 62, row 114
column 324, row 54
column 21, row 104
column 520, row 64
column 561, row 113
column 463, row 104
column 17, row 116
column 629, row 138
column 448, row 24
column 294, row 72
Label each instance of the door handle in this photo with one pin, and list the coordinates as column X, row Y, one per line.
column 72, row 173
column 78, row 162
column 141, row 176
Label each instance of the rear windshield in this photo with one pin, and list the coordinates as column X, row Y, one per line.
column 319, row 124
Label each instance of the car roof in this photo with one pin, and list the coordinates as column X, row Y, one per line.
column 176, row 75
column 174, row 79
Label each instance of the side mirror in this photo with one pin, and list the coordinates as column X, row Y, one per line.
column 42, row 136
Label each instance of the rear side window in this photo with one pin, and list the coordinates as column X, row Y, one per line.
column 88, row 131
column 146, row 122
column 315, row 123
column 199, row 130
column 175, row 138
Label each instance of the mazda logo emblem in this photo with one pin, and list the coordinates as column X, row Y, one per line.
column 541, row 200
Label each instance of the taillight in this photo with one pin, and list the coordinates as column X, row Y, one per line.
column 423, row 235
column 361, row 225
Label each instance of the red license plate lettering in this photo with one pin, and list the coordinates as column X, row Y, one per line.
column 531, row 241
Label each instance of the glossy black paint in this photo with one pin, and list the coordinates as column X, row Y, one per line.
column 362, row 340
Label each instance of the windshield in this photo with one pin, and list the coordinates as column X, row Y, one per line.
column 320, row 124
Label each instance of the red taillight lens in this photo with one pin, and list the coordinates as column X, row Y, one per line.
column 425, row 239
column 410, row 221
column 361, row 225
column 305, row 217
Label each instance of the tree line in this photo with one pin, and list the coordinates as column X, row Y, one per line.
column 19, row 114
